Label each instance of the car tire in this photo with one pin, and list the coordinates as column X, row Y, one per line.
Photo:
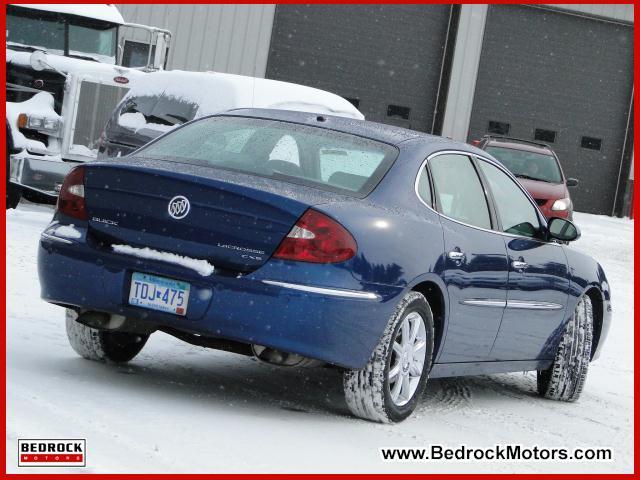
column 370, row 392
column 14, row 192
column 102, row 345
column 565, row 378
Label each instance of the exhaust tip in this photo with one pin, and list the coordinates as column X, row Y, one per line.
column 282, row 359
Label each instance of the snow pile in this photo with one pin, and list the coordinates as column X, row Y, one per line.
column 75, row 65
column 67, row 231
column 203, row 267
column 215, row 92
column 136, row 121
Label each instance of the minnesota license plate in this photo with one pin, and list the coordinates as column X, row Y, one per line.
column 158, row 293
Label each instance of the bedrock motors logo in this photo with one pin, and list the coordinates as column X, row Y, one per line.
column 52, row 453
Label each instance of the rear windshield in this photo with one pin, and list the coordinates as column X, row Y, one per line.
column 316, row 157
column 528, row 165
column 157, row 112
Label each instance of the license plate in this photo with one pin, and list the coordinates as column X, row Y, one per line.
column 158, row 293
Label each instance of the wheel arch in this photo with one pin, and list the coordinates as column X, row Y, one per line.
column 597, row 303
column 436, row 298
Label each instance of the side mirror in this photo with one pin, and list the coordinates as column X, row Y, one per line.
column 563, row 230
column 572, row 182
column 38, row 60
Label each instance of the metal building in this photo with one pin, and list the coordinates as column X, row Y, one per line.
column 562, row 74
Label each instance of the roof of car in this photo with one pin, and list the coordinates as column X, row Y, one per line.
column 376, row 131
column 516, row 144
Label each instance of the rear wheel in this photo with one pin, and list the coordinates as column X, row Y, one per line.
column 565, row 378
column 102, row 345
column 388, row 388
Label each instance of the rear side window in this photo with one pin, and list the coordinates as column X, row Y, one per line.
column 316, row 157
column 517, row 215
column 459, row 193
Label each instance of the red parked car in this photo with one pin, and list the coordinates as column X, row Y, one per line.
column 537, row 168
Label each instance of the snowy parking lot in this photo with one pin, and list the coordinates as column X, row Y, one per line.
column 179, row 408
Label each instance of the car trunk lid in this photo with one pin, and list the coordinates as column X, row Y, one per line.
column 235, row 221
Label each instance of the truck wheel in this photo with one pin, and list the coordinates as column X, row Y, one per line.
column 14, row 192
column 102, row 345
column 388, row 388
column 565, row 378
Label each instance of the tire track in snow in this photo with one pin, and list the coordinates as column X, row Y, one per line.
column 68, row 420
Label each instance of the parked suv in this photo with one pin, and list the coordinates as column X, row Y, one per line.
column 538, row 169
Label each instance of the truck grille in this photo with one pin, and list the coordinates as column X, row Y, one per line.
column 95, row 105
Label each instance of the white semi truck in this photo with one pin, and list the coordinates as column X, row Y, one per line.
column 65, row 75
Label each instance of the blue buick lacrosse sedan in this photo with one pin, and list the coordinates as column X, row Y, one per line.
column 304, row 240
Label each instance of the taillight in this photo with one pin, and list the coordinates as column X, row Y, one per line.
column 71, row 197
column 475, row 143
column 317, row 238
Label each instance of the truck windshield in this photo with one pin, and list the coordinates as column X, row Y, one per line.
column 90, row 38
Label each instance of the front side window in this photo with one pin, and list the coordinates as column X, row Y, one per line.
column 301, row 154
column 528, row 165
column 459, row 193
column 516, row 213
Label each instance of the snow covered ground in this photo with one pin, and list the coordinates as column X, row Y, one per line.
column 181, row 408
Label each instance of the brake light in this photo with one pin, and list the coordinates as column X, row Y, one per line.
column 475, row 143
column 317, row 238
column 71, row 197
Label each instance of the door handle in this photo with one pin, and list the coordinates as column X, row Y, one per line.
column 519, row 265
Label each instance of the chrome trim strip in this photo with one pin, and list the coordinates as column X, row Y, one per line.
column 53, row 238
column 324, row 291
column 478, row 302
column 531, row 305
column 515, row 304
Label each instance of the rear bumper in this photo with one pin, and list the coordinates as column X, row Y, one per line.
column 38, row 174
column 267, row 307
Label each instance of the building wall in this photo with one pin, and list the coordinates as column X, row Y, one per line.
column 221, row 37
column 611, row 11
column 237, row 39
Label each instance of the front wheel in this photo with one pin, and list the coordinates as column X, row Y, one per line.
column 565, row 378
column 388, row 388
column 102, row 345
column 14, row 192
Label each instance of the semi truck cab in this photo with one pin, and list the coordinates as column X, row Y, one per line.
column 65, row 75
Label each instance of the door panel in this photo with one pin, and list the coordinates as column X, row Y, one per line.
column 538, row 278
column 477, row 291
column 475, row 260
column 536, row 301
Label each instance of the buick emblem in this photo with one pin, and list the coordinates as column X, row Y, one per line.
column 179, row 207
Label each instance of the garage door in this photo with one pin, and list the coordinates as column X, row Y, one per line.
column 386, row 59
column 564, row 79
